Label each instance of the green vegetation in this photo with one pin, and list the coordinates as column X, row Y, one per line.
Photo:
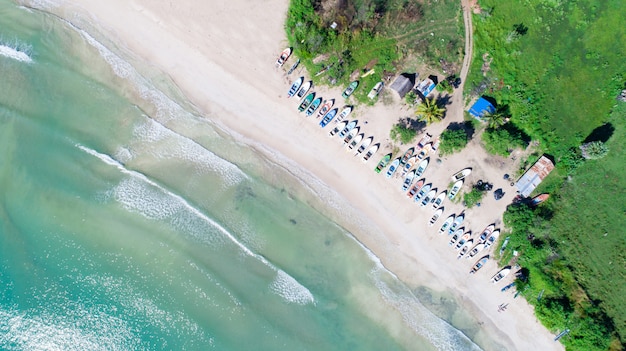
column 429, row 111
column 594, row 150
column 473, row 197
column 445, row 87
column 504, row 140
column 496, row 119
column 403, row 133
column 374, row 37
column 452, row 141
column 573, row 250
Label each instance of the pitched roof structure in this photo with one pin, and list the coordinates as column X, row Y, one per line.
column 402, row 85
column 538, row 172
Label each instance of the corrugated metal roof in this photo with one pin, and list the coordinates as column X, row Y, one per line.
column 538, row 172
column 402, row 85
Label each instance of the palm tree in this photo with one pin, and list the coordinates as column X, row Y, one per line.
column 429, row 111
column 496, row 119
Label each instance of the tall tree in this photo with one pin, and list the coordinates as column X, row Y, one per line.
column 429, row 112
column 496, row 119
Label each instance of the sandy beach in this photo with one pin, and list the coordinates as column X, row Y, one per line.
column 222, row 59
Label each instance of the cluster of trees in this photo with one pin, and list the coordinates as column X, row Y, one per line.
column 502, row 136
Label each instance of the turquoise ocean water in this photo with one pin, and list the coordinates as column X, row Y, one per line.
column 129, row 222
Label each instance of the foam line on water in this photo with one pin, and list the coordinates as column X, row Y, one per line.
column 15, row 54
column 284, row 285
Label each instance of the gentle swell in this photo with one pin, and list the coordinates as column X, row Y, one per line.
column 142, row 195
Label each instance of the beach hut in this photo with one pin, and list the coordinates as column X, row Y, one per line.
column 403, row 84
column 481, row 108
column 538, row 172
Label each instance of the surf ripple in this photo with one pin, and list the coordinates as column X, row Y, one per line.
column 142, row 195
column 15, row 54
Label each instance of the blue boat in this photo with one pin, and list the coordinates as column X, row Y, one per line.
column 328, row 117
column 313, row 106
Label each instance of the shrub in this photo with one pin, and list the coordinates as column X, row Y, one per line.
column 452, row 141
column 473, row 197
column 594, row 150
column 402, row 133
column 503, row 140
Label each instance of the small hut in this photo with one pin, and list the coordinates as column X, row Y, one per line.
column 538, row 172
column 481, row 108
column 403, row 84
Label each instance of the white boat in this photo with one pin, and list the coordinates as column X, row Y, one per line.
column 326, row 106
column 465, row 248
column 370, row 153
column 421, row 167
column 457, row 235
column 501, row 274
column 376, row 90
column 408, row 165
column 347, row 129
column 461, row 174
column 283, row 57
column 435, row 217
column 393, row 167
column 479, row 264
column 364, row 145
column 428, row 198
column 344, row 113
column 446, row 224
column 423, row 141
column 351, row 135
column 457, row 222
column 436, row 144
column 492, row 239
column 337, row 128
column 424, row 151
column 462, row 240
column 423, row 191
column 475, row 250
column 408, row 180
column 485, row 233
column 439, row 200
column 304, row 89
column 455, row 189
column 355, row 141
column 294, row 87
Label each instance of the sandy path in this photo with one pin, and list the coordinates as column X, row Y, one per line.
column 224, row 64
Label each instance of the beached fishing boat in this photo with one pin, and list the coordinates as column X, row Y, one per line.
column 393, row 167
column 462, row 240
column 304, row 89
column 439, row 200
column 492, row 239
column 348, row 138
column 293, row 67
column 376, row 90
column 337, row 128
column 295, row 86
column 326, row 106
column 501, row 274
column 455, row 189
column 424, row 151
column 485, row 233
column 370, row 153
column 457, row 222
column 446, row 224
column 407, row 155
column 435, row 217
column 329, row 117
column 364, row 145
column 283, row 57
column 306, row 102
column 479, row 264
column 313, row 106
column 355, row 141
column 421, row 168
column 475, row 250
column 415, row 187
column 344, row 113
column 423, row 191
column 465, row 248
column 347, row 129
column 350, row 89
column 408, row 165
column 539, row 199
column 383, row 162
column 456, row 236
column 461, row 174
column 436, row 144
column 408, row 180
column 428, row 198
column 423, row 141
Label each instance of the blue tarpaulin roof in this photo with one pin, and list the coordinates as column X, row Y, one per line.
column 481, row 108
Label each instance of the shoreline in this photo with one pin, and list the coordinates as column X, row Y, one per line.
column 280, row 128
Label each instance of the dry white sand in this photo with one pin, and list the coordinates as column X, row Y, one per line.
column 221, row 54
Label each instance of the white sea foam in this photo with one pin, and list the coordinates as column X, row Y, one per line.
column 144, row 196
column 14, row 54
column 292, row 291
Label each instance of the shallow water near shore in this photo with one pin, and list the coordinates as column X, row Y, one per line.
column 129, row 222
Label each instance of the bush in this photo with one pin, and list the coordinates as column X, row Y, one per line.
column 402, row 133
column 473, row 197
column 503, row 140
column 446, row 87
column 594, row 150
column 452, row 141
